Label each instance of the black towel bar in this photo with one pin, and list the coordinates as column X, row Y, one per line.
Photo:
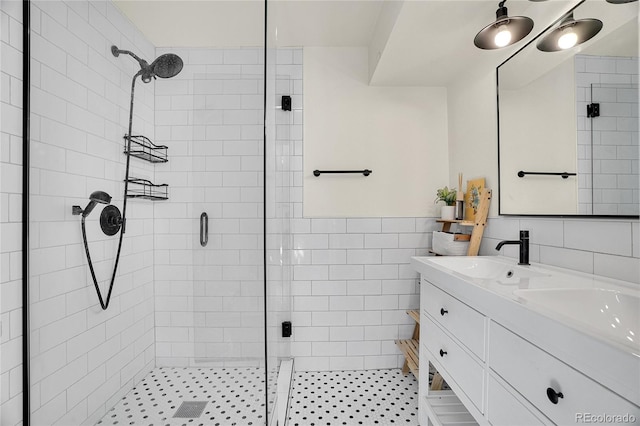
column 365, row 172
column 564, row 175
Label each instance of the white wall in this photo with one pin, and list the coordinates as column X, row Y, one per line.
column 398, row 132
column 473, row 148
column 352, row 282
column 83, row 359
column 538, row 134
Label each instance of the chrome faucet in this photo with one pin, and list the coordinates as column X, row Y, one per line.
column 524, row 247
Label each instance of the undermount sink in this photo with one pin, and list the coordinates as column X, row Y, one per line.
column 590, row 303
column 485, row 268
column 615, row 313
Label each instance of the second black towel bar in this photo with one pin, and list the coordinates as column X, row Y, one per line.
column 564, row 175
column 365, row 172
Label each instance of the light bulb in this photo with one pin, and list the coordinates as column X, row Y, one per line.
column 568, row 39
column 503, row 38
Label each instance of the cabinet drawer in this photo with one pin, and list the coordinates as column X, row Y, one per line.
column 458, row 364
column 503, row 409
column 463, row 322
column 533, row 373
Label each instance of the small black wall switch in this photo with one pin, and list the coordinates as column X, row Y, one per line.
column 286, row 103
column 286, row 329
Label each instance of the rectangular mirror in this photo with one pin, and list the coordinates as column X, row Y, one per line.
column 568, row 121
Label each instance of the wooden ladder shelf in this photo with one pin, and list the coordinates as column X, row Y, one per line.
column 410, row 347
column 478, row 224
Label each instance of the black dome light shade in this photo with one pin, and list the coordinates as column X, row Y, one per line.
column 506, row 30
column 569, row 33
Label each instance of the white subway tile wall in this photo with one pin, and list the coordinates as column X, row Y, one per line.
column 352, row 284
column 601, row 247
column 351, row 289
column 82, row 359
column 10, row 212
column 210, row 300
column 608, row 150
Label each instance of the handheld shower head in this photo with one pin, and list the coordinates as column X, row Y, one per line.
column 95, row 198
column 165, row 66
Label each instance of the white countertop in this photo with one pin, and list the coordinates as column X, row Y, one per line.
column 560, row 322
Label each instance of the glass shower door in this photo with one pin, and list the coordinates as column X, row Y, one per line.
column 228, row 213
column 211, row 324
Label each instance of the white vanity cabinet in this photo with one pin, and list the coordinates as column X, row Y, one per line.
column 559, row 391
column 500, row 377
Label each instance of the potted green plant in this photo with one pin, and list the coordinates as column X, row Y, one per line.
column 449, row 197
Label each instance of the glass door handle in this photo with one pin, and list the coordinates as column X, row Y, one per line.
column 204, row 229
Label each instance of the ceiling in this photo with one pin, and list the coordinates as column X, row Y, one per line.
column 411, row 43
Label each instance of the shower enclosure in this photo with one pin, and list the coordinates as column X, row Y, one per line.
column 608, row 151
column 193, row 330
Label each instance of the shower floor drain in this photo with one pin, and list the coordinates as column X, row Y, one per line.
column 190, row 409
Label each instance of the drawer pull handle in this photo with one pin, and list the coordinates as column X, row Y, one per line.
column 443, row 311
column 552, row 394
column 443, row 353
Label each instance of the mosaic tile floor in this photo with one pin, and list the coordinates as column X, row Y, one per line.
column 372, row 397
column 233, row 396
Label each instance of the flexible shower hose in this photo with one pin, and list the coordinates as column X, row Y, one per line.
column 105, row 304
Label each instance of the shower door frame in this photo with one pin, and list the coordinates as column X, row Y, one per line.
column 26, row 155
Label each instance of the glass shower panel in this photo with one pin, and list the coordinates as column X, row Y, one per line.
column 228, row 263
column 278, row 242
column 186, row 321
column 608, row 152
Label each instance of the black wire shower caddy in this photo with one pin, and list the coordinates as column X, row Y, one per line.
column 143, row 188
column 142, row 147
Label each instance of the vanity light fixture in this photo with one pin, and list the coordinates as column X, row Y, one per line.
column 569, row 34
column 505, row 31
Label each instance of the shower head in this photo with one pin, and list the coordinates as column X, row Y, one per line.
column 165, row 66
column 95, row 198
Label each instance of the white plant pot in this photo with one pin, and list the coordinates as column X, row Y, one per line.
column 448, row 213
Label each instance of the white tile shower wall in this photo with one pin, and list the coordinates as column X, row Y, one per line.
column 82, row 359
column 608, row 153
column 10, row 212
column 209, row 300
column 602, row 247
column 352, row 284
